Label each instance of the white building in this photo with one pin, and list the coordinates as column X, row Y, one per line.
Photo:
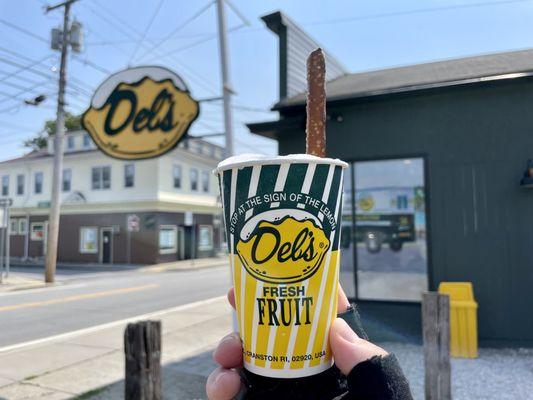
column 171, row 202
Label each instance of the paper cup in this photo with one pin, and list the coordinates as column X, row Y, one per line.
column 281, row 216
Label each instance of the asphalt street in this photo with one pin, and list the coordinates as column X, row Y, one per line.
column 84, row 299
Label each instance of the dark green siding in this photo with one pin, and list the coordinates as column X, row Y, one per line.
column 476, row 141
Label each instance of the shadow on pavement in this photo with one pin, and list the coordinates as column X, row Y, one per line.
column 183, row 380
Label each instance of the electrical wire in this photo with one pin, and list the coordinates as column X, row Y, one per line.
column 178, row 28
column 192, row 75
column 23, row 30
column 237, row 12
column 22, row 68
column 198, row 42
column 141, row 40
column 417, row 11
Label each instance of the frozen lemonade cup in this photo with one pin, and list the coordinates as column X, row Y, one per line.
column 281, row 216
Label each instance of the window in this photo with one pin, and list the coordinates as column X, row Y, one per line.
column 13, row 226
column 86, row 141
column 205, row 181
column 38, row 182
column 23, row 226
column 205, row 237
column 20, row 185
column 37, row 231
column 194, row 179
column 129, row 175
column 5, row 185
column 88, row 240
column 67, row 178
column 176, row 176
column 70, row 142
column 388, row 237
column 101, row 178
column 168, row 235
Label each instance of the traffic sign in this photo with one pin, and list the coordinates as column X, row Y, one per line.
column 134, row 223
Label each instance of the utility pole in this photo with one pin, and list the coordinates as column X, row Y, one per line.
column 53, row 220
column 226, row 84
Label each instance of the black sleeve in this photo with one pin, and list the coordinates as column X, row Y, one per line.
column 380, row 378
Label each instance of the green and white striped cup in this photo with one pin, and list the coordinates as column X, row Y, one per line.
column 282, row 224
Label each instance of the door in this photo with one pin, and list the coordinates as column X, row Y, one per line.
column 181, row 243
column 107, row 241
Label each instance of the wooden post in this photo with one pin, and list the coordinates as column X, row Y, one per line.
column 436, row 333
column 142, row 346
column 315, row 127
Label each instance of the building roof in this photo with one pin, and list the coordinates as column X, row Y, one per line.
column 424, row 76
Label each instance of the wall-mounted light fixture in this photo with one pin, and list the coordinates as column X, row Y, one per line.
column 527, row 180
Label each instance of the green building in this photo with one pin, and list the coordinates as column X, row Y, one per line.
column 437, row 154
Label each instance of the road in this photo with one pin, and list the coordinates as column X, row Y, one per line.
column 86, row 299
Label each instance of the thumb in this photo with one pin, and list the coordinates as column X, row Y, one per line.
column 348, row 348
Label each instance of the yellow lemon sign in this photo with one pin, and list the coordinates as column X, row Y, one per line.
column 140, row 113
column 366, row 203
column 286, row 251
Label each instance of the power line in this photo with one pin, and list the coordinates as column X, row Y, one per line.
column 237, row 12
column 20, row 29
column 42, row 39
column 417, row 11
column 22, row 68
column 141, row 40
column 178, row 28
column 198, row 42
column 201, row 81
column 16, row 96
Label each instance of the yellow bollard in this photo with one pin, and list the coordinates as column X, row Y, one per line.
column 463, row 318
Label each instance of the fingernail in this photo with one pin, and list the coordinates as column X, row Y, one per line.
column 346, row 332
column 230, row 337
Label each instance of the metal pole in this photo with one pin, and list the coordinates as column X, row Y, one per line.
column 129, row 246
column 224, row 68
column 8, row 241
column 53, row 221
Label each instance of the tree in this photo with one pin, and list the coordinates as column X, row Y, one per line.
column 72, row 123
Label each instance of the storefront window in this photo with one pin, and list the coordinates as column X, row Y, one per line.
column 205, row 237
column 23, row 226
column 13, row 226
column 390, row 229
column 168, row 239
column 88, row 240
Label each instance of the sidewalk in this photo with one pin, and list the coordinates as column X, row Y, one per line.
column 174, row 265
column 17, row 282
column 91, row 363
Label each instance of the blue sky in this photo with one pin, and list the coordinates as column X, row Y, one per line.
column 362, row 35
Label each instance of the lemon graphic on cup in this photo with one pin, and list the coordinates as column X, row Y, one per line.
column 282, row 249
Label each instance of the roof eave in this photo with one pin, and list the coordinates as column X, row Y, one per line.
column 285, row 105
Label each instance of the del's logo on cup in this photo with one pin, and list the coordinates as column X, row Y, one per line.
column 284, row 251
column 140, row 113
column 281, row 217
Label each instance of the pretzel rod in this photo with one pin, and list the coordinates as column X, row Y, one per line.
column 316, row 104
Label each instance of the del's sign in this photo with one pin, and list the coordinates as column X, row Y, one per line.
column 140, row 113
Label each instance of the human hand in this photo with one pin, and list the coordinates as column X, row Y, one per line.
column 224, row 383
